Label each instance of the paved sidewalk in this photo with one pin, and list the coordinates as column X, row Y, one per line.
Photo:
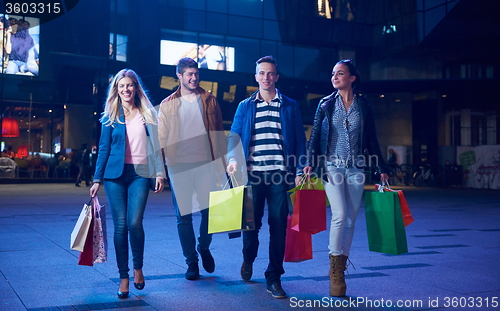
column 453, row 259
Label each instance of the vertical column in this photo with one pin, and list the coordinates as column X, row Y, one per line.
column 491, row 130
column 78, row 120
column 466, row 127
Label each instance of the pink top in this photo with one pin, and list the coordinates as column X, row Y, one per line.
column 135, row 148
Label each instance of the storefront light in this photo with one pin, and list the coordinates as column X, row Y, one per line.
column 10, row 127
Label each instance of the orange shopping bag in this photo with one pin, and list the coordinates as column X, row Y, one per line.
column 405, row 208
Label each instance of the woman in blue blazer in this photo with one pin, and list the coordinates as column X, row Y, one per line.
column 129, row 157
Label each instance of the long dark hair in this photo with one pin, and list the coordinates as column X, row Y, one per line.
column 353, row 71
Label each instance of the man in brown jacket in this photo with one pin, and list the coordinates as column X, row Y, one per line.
column 192, row 135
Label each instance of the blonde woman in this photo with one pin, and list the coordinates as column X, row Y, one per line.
column 129, row 156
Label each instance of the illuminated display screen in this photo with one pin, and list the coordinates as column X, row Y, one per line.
column 208, row 56
column 19, row 45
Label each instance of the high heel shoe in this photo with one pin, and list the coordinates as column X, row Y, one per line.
column 140, row 286
column 122, row 295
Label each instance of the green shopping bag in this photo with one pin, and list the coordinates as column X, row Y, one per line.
column 225, row 212
column 384, row 223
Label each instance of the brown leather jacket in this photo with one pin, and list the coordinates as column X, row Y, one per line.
column 168, row 125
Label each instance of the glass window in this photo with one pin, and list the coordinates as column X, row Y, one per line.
column 271, row 30
column 251, row 8
column 306, row 63
column 268, row 48
column 118, row 47
column 179, row 35
column 269, row 10
column 193, row 4
column 121, row 48
column 217, row 23
column 217, row 6
column 245, row 26
column 195, row 20
column 285, row 60
column 246, row 53
column 433, row 17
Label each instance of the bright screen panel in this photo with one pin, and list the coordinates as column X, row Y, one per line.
column 20, row 45
column 208, row 56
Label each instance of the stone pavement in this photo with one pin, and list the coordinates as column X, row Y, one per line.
column 452, row 263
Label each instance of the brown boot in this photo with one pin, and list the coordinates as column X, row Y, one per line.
column 337, row 279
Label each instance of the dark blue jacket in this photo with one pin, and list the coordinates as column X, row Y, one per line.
column 111, row 157
column 318, row 143
column 294, row 138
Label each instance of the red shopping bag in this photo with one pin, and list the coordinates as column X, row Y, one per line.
column 95, row 248
column 309, row 209
column 405, row 208
column 86, row 257
column 298, row 245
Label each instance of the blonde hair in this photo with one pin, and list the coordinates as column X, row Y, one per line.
column 113, row 103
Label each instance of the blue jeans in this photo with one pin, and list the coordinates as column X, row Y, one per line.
column 127, row 197
column 271, row 186
column 186, row 179
column 344, row 191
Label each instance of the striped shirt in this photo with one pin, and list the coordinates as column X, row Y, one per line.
column 266, row 145
column 344, row 133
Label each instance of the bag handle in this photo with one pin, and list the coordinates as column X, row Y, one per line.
column 383, row 186
column 233, row 181
column 306, row 181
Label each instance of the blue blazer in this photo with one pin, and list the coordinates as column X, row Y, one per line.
column 111, row 157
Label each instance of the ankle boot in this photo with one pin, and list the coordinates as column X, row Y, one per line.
column 337, row 278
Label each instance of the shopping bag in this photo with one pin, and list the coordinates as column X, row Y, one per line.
column 81, row 229
column 405, row 208
column 86, row 256
column 248, row 218
column 225, row 210
column 316, row 183
column 100, row 240
column 309, row 209
column 298, row 245
column 384, row 223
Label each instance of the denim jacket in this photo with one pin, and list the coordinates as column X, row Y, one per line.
column 318, row 143
column 292, row 128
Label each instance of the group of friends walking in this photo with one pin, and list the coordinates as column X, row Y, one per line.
column 266, row 144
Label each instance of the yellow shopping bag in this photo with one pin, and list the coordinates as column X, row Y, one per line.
column 225, row 212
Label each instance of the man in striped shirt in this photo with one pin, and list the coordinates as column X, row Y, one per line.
column 269, row 127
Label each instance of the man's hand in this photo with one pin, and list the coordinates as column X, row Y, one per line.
column 232, row 167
